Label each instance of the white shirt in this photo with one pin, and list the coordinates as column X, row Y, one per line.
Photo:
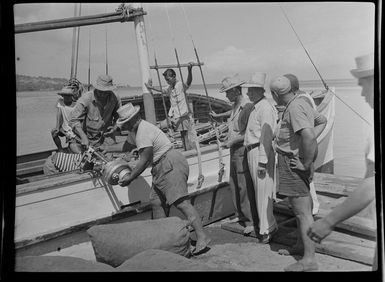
column 177, row 100
column 261, row 126
column 65, row 112
column 149, row 135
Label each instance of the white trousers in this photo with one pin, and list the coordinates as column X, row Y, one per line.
column 264, row 191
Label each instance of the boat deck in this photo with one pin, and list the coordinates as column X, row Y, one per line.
column 351, row 245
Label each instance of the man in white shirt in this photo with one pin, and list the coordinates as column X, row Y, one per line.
column 178, row 112
column 170, row 169
column 259, row 134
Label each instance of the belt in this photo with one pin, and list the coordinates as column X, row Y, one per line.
column 251, row 146
column 161, row 157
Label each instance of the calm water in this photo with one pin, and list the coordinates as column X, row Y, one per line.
column 36, row 116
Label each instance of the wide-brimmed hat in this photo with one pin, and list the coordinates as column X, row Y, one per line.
column 126, row 113
column 280, row 85
column 256, row 80
column 365, row 66
column 104, row 83
column 66, row 90
column 230, row 82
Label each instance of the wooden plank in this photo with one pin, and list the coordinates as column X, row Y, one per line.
column 53, row 182
column 335, row 184
column 337, row 244
column 354, row 225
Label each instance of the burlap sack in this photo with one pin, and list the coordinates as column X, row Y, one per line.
column 58, row 264
column 115, row 243
column 159, row 260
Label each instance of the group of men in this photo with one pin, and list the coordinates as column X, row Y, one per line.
column 256, row 135
column 269, row 153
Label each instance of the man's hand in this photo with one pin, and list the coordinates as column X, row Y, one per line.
column 110, row 130
column 149, row 84
column 55, row 132
column 319, row 230
column 190, row 65
column 295, row 163
column 84, row 142
column 261, row 170
column 126, row 180
column 213, row 114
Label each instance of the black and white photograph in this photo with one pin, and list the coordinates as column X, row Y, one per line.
column 197, row 137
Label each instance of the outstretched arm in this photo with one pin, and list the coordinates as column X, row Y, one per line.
column 354, row 203
column 189, row 75
column 145, row 159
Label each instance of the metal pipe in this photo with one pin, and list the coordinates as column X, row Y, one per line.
column 77, row 21
column 175, row 66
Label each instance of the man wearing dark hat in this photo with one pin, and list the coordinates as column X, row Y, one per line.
column 364, row 195
column 170, row 169
column 240, row 181
column 296, row 145
column 95, row 113
column 178, row 112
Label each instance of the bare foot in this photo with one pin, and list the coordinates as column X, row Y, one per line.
column 201, row 244
column 301, row 266
column 292, row 251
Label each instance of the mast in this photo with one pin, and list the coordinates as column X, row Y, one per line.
column 75, row 43
column 106, row 54
column 141, row 42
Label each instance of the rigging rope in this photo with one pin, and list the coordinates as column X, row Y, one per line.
column 213, row 125
column 324, row 83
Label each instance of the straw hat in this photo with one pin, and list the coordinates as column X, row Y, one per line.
column 256, row 80
column 66, row 90
column 104, row 83
column 280, row 85
column 365, row 66
column 230, row 82
column 126, row 112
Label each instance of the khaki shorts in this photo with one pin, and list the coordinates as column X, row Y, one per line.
column 169, row 178
column 183, row 123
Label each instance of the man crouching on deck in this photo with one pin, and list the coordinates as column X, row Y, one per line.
column 296, row 145
column 170, row 169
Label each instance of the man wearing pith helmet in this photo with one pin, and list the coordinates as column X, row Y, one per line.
column 259, row 134
column 296, row 146
column 170, row 169
column 240, row 181
column 95, row 112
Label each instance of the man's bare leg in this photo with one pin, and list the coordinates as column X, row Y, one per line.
column 302, row 208
column 193, row 217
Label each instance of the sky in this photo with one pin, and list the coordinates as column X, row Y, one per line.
column 230, row 38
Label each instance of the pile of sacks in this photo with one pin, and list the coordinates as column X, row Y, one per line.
column 150, row 245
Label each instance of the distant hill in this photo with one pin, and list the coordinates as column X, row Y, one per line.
column 32, row 83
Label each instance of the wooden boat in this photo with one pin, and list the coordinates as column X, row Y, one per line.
column 53, row 212
column 30, row 166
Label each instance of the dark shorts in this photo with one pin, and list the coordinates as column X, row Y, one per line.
column 169, row 178
column 292, row 183
column 183, row 124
